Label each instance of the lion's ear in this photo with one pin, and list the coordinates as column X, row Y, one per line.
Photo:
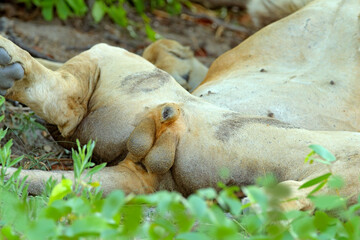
column 154, row 140
column 142, row 138
column 169, row 113
column 162, row 155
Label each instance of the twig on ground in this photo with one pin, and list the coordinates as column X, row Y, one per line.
column 62, row 160
column 232, row 27
column 21, row 108
column 32, row 51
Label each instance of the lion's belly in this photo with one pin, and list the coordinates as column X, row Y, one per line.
column 321, row 105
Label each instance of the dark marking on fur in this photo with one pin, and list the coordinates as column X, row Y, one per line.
column 263, row 70
column 167, row 111
column 233, row 122
column 145, row 81
column 186, row 76
column 142, row 166
column 175, row 54
column 270, row 114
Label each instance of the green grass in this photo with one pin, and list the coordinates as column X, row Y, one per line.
column 114, row 9
column 78, row 210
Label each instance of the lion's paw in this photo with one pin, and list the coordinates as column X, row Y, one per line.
column 9, row 72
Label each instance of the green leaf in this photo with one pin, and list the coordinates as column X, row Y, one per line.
column 322, row 221
column 7, row 233
column 15, row 161
column 197, row 205
column 352, row 209
column 57, row 210
column 174, row 8
column 14, row 212
column 192, row 236
column 2, row 133
column 62, row 10
column 139, row 5
column 47, row 13
column 98, row 11
column 2, row 100
column 207, row 193
column 131, row 218
column 328, row 202
column 41, row 229
column 79, row 206
column 61, row 190
column 94, row 184
column 225, row 231
column 304, row 228
column 167, row 225
column 320, row 161
column 318, row 187
column 323, row 152
column 336, row 182
column 315, row 181
column 112, row 204
column 151, row 34
column 183, row 221
column 156, row 231
column 251, row 223
column 89, row 165
column 78, row 6
column 87, row 226
column 118, row 15
column 256, row 195
column 234, row 204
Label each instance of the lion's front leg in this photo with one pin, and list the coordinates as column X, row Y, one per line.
column 60, row 97
column 130, row 177
column 127, row 176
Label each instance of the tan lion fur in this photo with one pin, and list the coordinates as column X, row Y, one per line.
column 178, row 61
column 49, row 64
column 264, row 12
column 303, row 70
column 129, row 107
column 172, row 57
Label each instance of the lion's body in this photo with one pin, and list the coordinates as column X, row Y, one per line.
column 167, row 138
column 264, row 12
column 303, row 70
column 178, row 61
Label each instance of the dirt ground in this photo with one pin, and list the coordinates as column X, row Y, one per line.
column 202, row 29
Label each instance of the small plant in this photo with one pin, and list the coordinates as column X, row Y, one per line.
column 64, row 8
column 82, row 162
column 13, row 184
column 24, row 125
column 115, row 9
column 77, row 210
